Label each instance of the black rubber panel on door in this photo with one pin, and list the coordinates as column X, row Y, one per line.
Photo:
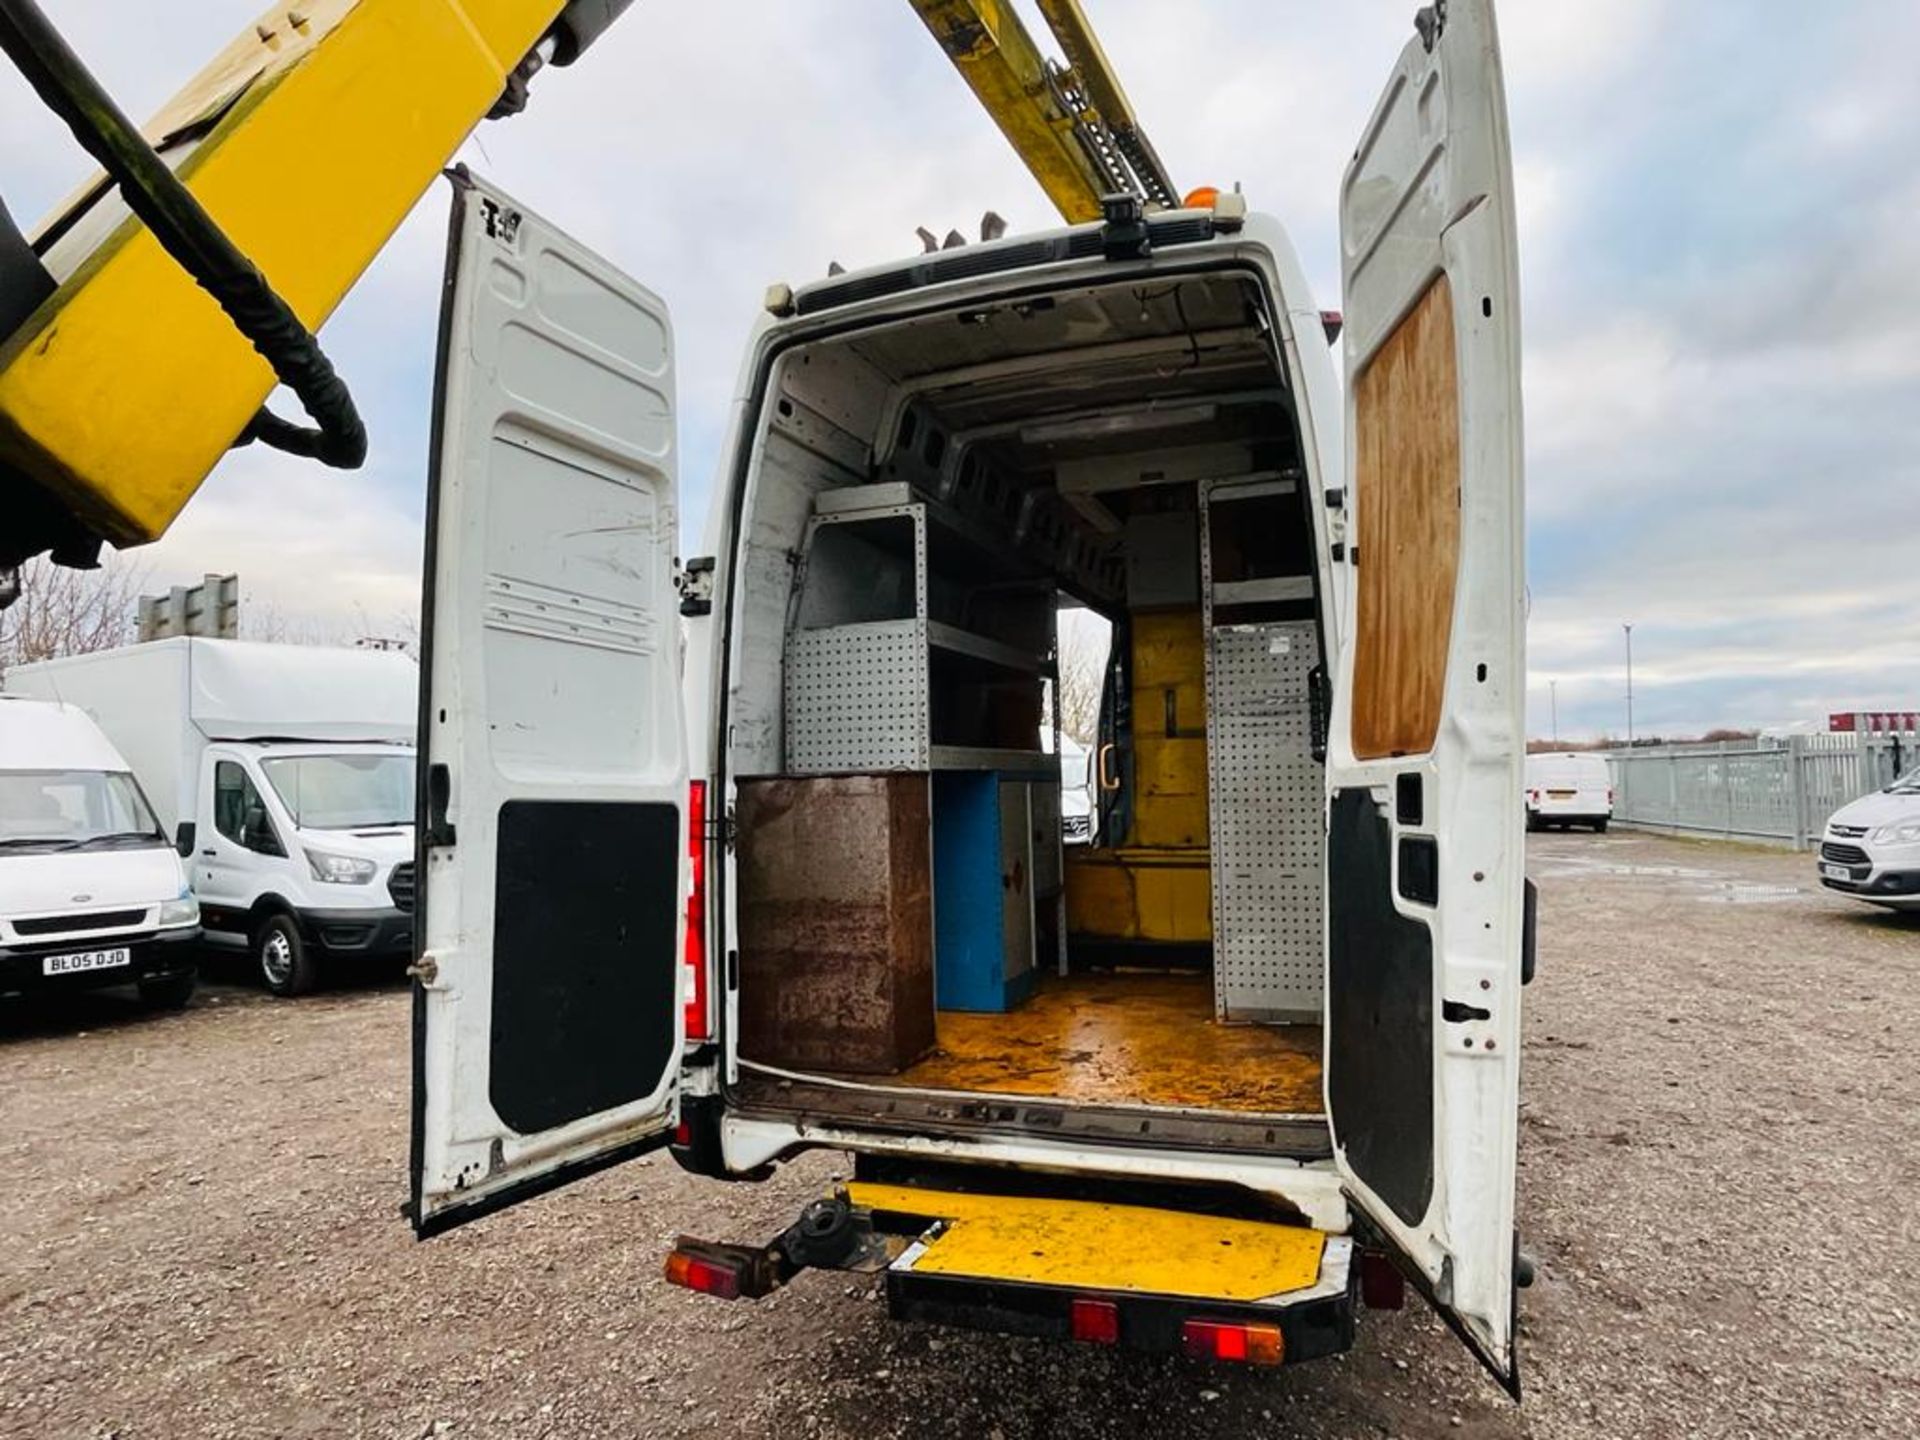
column 1380, row 1056
column 585, row 973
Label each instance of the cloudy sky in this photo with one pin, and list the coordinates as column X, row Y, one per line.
column 1720, row 258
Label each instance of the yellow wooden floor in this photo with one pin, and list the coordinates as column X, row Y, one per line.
column 1128, row 1038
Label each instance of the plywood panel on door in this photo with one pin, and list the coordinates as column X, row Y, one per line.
column 1407, row 492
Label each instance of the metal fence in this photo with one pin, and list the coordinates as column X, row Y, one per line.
column 1774, row 791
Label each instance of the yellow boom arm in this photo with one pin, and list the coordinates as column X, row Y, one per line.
column 1072, row 126
column 306, row 141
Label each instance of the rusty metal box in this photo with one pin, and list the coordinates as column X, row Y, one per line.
column 836, row 922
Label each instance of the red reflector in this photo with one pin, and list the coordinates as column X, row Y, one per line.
column 1381, row 1285
column 1224, row 1340
column 698, row 1026
column 1096, row 1321
column 692, row 1273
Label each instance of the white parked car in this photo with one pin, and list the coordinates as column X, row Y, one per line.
column 1871, row 849
column 1572, row 788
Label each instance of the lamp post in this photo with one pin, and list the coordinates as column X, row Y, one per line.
column 1629, row 629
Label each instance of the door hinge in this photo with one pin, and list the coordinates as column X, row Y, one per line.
column 426, row 970
column 721, row 828
column 1431, row 22
column 695, row 583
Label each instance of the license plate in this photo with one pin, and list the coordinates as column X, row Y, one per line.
column 1836, row 872
column 1562, row 794
column 87, row 960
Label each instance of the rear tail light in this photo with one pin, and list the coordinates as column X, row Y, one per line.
column 698, row 1024
column 1609, row 795
column 1096, row 1321
column 1225, row 1340
column 691, row 1272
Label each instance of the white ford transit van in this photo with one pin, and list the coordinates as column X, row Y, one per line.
column 285, row 775
column 91, row 892
column 1204, row 1084
column 1871, row 847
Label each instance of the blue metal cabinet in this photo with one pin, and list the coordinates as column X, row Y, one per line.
column 983, row 881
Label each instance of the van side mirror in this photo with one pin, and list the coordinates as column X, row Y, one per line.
column 257, row 834
column 183, row 837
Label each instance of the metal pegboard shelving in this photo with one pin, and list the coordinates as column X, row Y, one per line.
column 857, row 694
column 857, row 698
column 1265, row 801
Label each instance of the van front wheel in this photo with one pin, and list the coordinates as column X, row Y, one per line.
column 281, row 957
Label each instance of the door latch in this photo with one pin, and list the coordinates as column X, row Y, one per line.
column 439, row 829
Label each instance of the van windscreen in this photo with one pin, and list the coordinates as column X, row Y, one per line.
column 74, row 810
column 344, row 792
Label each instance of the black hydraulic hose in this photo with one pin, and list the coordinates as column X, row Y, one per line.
column 191, row 237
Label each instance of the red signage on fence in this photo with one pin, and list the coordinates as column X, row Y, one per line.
column 1873, row 721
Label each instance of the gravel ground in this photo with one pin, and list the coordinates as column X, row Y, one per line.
column 199, row 1230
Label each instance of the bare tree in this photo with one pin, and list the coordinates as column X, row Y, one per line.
column 1083, row 663
column 70, row 612
column 266, row 620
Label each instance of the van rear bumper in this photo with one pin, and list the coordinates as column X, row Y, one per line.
column 1155, row 1324
column 155, row 954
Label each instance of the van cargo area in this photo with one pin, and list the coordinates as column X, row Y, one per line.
column 926, row 496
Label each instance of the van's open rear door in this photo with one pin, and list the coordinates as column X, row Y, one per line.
column 1425, row 858
column 553, row 753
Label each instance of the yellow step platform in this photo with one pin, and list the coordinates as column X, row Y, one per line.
column 1088, row 1245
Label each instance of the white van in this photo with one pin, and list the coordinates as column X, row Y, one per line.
column 91, row 892
column 1871, row 848
column 1567, row 789
column 1076, row 791
column 1270, row 1020
column 285, row 774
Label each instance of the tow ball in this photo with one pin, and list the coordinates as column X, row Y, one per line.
column 831, row 1234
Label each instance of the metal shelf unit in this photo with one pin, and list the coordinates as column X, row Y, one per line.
column 861, row 645
column 1265, row 790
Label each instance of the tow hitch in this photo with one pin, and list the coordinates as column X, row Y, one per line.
column 831, row 1234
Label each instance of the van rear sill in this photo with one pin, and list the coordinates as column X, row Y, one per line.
column 1298, row 1137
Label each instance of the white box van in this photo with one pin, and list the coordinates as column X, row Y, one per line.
column 91, row 892
column 1569, row 788
column 1269, row 1021
column 284, row 773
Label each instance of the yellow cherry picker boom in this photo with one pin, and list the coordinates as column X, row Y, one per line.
column 144, row 323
